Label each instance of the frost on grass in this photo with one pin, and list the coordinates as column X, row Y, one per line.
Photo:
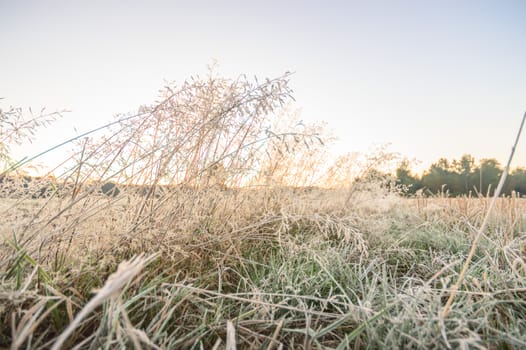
column 260, row 241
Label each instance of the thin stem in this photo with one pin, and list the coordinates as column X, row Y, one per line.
column 480, row 232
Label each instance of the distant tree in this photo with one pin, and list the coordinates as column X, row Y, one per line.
column 464, row 168
column 411, row 183
column 444, row 176
column 442, row 163
column 460, row 177
column 435, row 179
column 489, row 172
column 374, row 179
column 517, row 182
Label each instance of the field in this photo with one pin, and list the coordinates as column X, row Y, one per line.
column 215, row 220
column 265, row 268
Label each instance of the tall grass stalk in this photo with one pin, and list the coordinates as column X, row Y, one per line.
column 482, row 228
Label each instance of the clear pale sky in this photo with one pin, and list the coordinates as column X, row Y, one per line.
column 433, row 78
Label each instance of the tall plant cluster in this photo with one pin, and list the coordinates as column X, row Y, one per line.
column 206, row 132
column 211, row 128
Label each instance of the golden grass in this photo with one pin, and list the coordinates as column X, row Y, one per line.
column 210, row 245
column 231, row 230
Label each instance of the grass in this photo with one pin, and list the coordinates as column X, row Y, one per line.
column 302, row 272
column 230, row 230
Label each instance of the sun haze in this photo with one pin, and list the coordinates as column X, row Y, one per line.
column 433, row 79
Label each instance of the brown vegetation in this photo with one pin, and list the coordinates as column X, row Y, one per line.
column 278, row 250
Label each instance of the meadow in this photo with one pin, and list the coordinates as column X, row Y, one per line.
column 273, row 268
column 228, row 233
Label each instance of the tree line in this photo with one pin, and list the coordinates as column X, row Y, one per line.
column 461, row 177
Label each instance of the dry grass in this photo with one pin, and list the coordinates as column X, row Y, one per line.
column 269, row 268
column 205, row 247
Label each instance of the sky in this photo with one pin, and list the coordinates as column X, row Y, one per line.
column 431, row 78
